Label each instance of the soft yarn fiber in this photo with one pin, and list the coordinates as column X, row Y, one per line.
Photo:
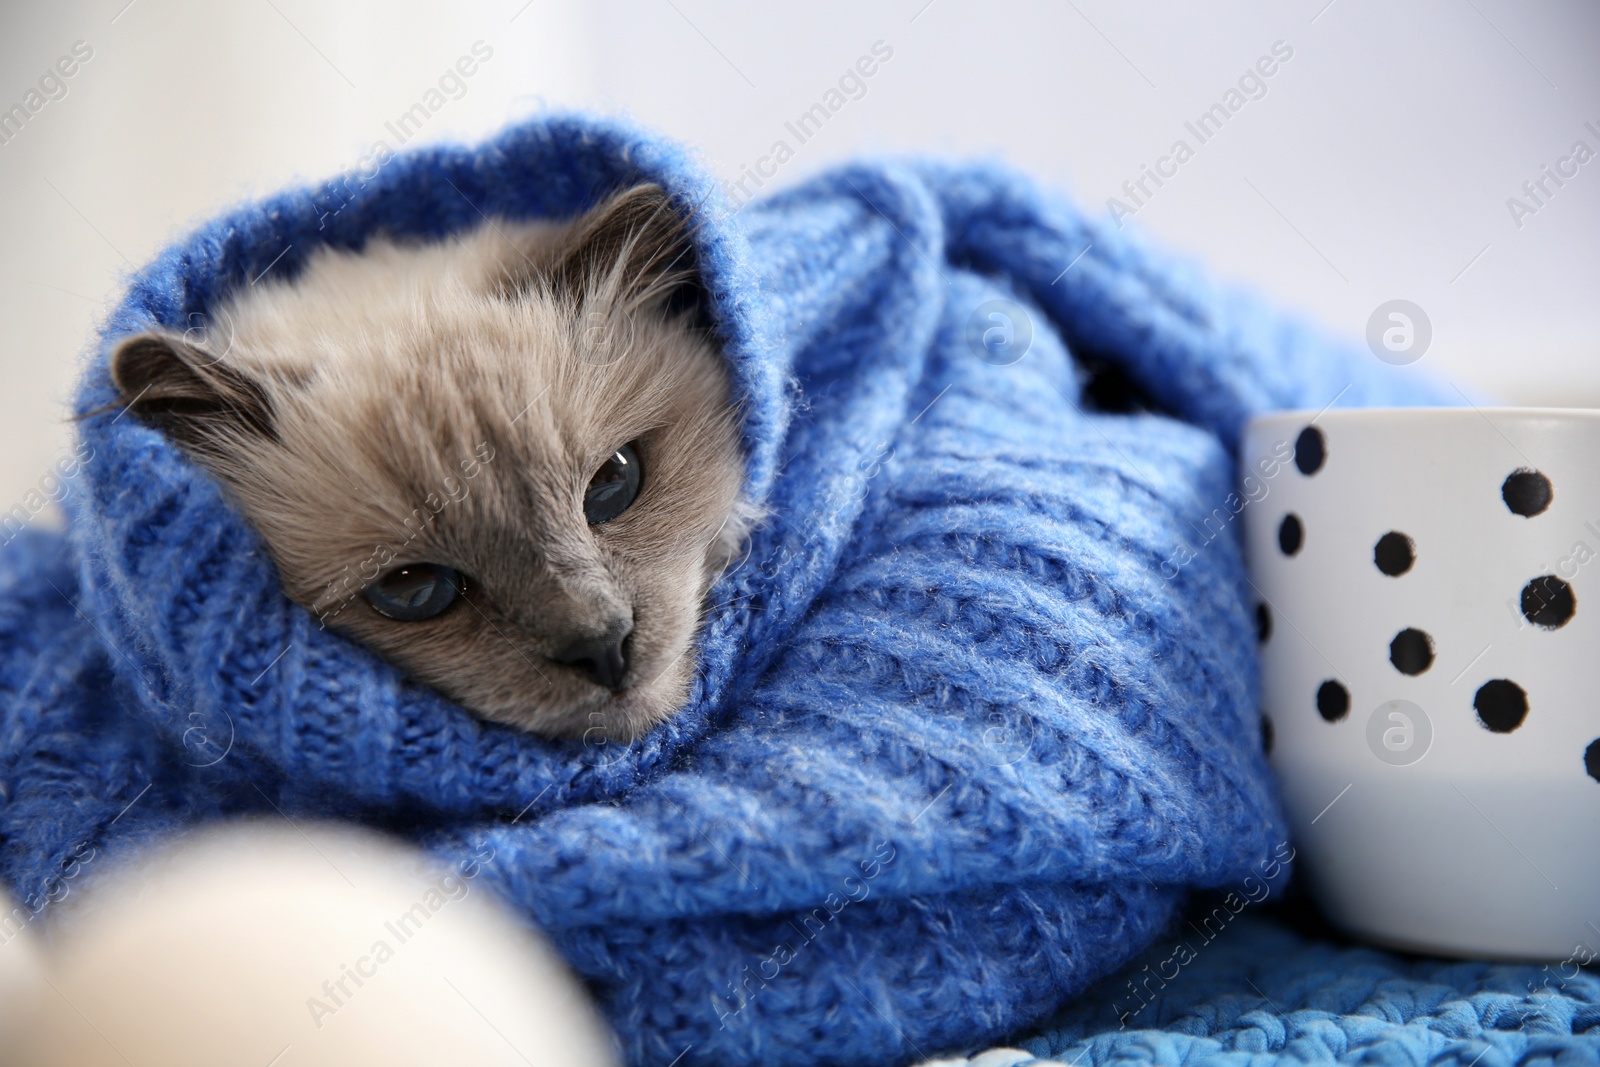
column 1264, row 992
column 974, row 714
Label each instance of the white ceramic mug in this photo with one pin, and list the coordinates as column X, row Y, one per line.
column 1428, row 583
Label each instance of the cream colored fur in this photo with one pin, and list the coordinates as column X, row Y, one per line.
column 448, row 403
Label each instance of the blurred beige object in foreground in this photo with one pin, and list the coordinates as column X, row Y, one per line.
column 19, row 960
column 258, row 944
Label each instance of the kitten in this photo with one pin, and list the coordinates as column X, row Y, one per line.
column 507, row 462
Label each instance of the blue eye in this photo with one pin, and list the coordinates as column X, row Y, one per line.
column 414, row 592
column 614, row 486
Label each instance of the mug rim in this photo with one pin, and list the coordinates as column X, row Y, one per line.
column 1421, row 414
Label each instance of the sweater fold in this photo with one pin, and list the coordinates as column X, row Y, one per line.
column 974, row 712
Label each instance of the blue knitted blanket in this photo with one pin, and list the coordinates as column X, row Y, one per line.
column 1263, row 990
column 970, row 720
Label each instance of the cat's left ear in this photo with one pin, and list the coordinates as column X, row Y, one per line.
column 631, row 252
column 195, row 398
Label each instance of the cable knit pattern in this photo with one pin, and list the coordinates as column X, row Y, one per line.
column 961, row 737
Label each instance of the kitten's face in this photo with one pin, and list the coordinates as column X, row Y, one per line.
column 498, row 461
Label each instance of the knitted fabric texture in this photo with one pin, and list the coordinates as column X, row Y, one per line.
column 974, row 714
column 1262, row 993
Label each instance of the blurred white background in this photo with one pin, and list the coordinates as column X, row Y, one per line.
column 1377, row 165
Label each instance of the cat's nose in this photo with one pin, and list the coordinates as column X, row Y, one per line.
column 603, row 656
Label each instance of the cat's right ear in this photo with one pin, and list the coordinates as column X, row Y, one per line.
column 632, row 251
column 188, row 394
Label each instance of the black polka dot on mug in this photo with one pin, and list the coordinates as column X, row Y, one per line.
column 1548, row 602
column 1291, row 534
column 1394, row 553
column 1501, row 704
column 1333, row 700
column 1527, row 492
column 1310, row 451
column 1411, row 651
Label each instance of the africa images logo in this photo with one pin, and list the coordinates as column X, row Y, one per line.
column 52, row 85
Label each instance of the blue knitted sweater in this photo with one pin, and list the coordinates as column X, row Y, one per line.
column 974, row 714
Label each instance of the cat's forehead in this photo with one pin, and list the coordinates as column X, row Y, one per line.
column 355, row 304
column 384, row 276
column 390, row 369
column 397, row 333
column 412, row 405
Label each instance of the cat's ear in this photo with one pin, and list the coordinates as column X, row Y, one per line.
column 630, row 252
column 193, row 397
